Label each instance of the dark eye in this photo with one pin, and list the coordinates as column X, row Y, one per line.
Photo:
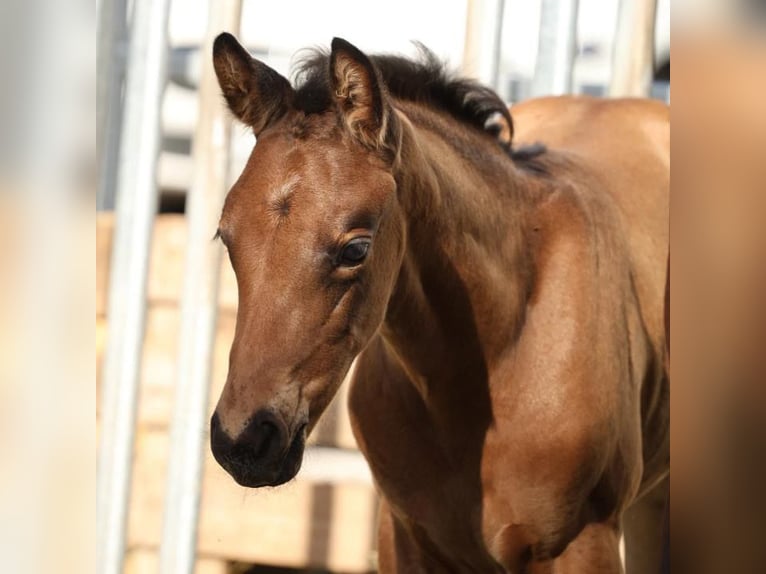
column 354, row 252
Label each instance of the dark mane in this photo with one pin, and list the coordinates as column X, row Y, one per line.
column 423, row 80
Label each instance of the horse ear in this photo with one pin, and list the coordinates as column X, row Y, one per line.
column 256, row 94
column 361, row 96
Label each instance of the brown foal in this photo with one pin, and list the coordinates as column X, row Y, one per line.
column 505, row 304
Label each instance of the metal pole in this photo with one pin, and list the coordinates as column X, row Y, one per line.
column 481, row 51
column 633, row 56
column 557, row 47
column 136, row 206
column 199, row 307
column 497, row 48
column 110, row 69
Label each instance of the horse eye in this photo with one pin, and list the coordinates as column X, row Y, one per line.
column 354, row 252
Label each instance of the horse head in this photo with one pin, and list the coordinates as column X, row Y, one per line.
column 315, row 235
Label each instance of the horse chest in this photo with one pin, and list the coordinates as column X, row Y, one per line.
column 464, row 482
column 432, row 488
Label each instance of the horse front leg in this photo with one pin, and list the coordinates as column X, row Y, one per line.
column 386, row 540
column 401, row 551
column 596, row 550
column 396, row 552
column 645, row 527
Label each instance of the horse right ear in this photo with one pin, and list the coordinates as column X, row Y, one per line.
column 255, row 94
column 362, row 98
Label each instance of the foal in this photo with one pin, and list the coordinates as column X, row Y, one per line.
column 505, row 305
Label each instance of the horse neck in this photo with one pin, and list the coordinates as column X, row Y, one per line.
column 464, row 279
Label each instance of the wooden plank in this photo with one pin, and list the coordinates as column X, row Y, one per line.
column 301, row 524
column 165, row 266
column 104, row 232
column 210, row 566
column 143, row 560
column 101, row 328
column 158, row 370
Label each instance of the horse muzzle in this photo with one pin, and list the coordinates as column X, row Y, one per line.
column 264, row 454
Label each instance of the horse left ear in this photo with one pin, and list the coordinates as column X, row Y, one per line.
column 361, row 97
column 257, row 95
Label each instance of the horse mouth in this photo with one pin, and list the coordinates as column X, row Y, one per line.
column 272, row 474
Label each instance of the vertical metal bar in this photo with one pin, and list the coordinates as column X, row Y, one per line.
column 199, row 307
column 110, row 67
column 482, row 40
column 633, row 55
column 136, row 206
column 497, row 48
column 557, row 47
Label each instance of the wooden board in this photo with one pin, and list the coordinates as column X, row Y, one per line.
column 166, row 263
column 301, row 524
column 147, row 561
column 104, row 233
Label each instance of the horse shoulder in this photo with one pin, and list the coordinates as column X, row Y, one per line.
column 623, row 147
column 565, row 446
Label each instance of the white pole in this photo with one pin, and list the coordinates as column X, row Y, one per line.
column 136, row 206
column 110, row 70
column 557, row 47
column 481, row 52
column 199, row 307
column 497, row 48
column 633, row 56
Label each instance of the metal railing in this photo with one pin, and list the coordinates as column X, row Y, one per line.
column 199, row 308
column 557, row 47
column 136, row 201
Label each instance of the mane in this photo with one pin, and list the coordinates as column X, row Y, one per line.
column 424, row 80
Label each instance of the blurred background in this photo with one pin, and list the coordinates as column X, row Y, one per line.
column 166, row 298
column 521, row 48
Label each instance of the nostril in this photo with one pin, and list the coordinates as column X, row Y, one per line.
column 268, row 433
column 262, row 437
